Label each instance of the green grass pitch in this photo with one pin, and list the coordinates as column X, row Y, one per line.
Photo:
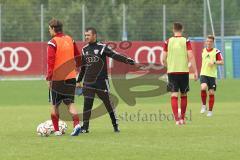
column 24, row 105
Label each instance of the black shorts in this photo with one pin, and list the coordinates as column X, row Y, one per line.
column 89, row 89
column 210, row 81
column 178, row 82
column 62, row 91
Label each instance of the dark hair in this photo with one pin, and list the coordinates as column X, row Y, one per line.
column 177, row 26
column 56, row 25
column 93, row 30
column 211, row 37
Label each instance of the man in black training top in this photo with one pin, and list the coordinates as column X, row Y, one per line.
column 94, row 71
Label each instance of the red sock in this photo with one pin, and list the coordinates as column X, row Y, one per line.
column 55, row 119
column 204, row 97
column 211, row 102
column 75, row 120
column 174, row 102
column 183, row 106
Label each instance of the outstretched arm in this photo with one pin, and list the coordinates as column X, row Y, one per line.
column 118, row 57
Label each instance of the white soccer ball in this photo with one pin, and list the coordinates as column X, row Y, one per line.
column 50, row 125
column 62, row 126
column 43, row 130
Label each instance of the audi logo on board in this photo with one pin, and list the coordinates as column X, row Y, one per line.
column 14, row 59
column 15, row 54
column 151, row 56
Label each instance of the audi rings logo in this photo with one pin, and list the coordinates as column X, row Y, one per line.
column 14, row 59
column 92, row 59
column 151, row 56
